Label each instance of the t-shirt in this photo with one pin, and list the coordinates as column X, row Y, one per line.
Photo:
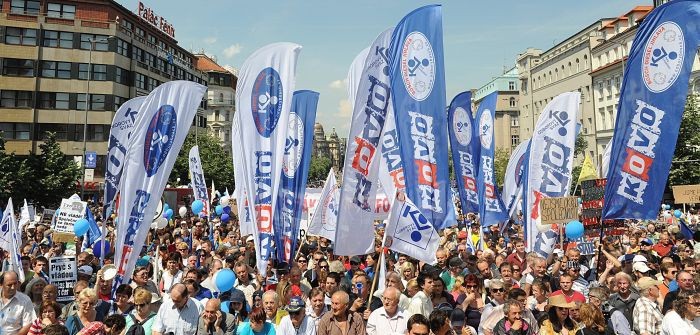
column 574, row 297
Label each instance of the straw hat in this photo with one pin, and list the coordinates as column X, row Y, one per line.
column 559, row 300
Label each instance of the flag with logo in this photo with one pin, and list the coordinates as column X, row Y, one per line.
column 361, row 167
column 548, row 173
column 325, row 218
column 94, row 233
column 588, row 171
column 410, row 232
column 652, row 101
column 122, row 126
column 240, row 193
column 9, row 239
column 491, row 208
column 264, row 98
column 465, row 150
column 513, row 179
column 417, row 73
column 295, row 170
column 158, row 133
column 199, row 185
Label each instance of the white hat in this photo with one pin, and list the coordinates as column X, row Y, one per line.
column 639, row 258
column 250, row 239
column 641, row 267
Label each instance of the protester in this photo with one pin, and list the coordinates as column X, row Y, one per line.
column 557, row 320
column 647, row 315
column 298, row 322
column 179, row 314
column 86, row 313
column 512, row 323
column 389, row 319
column 142, row 315
column 213, row 322
column 340, row 321
column 48, row 315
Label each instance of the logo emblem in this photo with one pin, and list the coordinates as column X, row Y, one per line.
column 293, row 145
column 413, row 227
column 159, row 138
column 486, row 129
column 266, row 101
column 417, row 65
column 662, row 62
column 462, row 126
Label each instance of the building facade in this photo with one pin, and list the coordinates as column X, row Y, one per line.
column 330, row 146
column 507, row 122
column 221, row 94
column 49, row 49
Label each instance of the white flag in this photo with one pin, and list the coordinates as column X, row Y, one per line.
column 512, row 190
column 159, row 131
column 264, row 99
column 410, row 232
column 325, row 218
column 240, row 194
column 605, row 164
column 24, row 216
column 199, row 185
column 355, row 74
column 9, row 239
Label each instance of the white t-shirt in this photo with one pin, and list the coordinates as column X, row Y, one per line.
column 673, row 324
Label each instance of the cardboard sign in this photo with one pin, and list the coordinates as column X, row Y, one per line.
column 686, row 194
column 63, row 272
column 592, row 194
column 559, row 210
column 71, row 210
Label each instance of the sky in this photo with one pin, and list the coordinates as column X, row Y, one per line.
column 481, row 38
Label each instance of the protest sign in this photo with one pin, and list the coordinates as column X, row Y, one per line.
column 686, row 194
column 69, row 212
column 558, row 210
column 63, row 273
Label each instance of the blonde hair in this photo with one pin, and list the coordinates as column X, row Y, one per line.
column 458, row 284
column 407, row 266
column 142, row 296
column 88, row 293
column 413, row 283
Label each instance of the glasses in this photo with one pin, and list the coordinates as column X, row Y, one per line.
column 516, row 269
column 295, row 313
column 472, row 286
column 354, row 263
column 302, row 261
column 324, row 266
column 497, row 290
column 140, row 305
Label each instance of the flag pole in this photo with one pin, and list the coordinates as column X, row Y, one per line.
column 376, row 276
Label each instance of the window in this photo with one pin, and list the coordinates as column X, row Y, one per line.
column 221, row 97
column 578, row 65
column 83, row 71
column 139, row 81
column 127, row 25
column 58, row 39
column 137, row 54
column 97, row 102
column 18, row 67
column 511, row 85
column 16, row 99
column 29, row 7
column 514, row 140
column 99, row 72
column 140, row 32
column 56, row 70
column 50, row 100
column 600, row 91
column 100, row 42
column 151, row 84
column 150, row 59
column 15, row 131
column 514, row 121
column 118, row 101
column 122, row 47
column 609, row 87
column 20, row 36
column 511, row 102
column 121, row 76
column 60, row 10
column 152, row 39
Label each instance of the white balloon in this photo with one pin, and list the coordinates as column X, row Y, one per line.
column 183, row 211
column 154, row 224
column 162, row 223
column 225, row 200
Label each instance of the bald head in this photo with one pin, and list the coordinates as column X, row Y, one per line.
column 212, row 305
column 342, row 297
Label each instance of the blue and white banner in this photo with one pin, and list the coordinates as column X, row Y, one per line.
column 324, row 220
column 652, row 101
column 361, row 166
column 122, row 125
column 354, row 79
column 245, row 222
column 158, row 133
column 295, row 170
column 491, row 208
column 605, row 161
column 417, row 73
column 513, row 180
column 410, row 232
column 199, row 185
column 93, row 234
column 465, row 150
column 264, row 99
column 548, row 173
column 9, row 240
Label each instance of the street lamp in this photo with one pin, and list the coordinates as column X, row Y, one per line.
column 87, row 103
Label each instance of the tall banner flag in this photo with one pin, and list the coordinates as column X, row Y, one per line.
column 9, row 239
column 410, row 232
column 491, row 208
column 93, row 234
column 325, row 218
column 24, row 216
column 361, row 166
column 548, row 173
column 122, row 126
column 240, row 193
column 417, row 73
column 295, row 170
column 465, row 150
column 199, row 185
column 512, row 183
column 264, row 98
column 355, row 74
column 605, row 161
column 158, row 133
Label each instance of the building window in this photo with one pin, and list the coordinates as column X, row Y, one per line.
column 18, row 67
column 609, row 87
column 514, row 140
column 16, row 99
column 140, row 81
column 100, row 42
column 15, row 131
column 59, row 70
column 58, row 39
column 152, row 40
column 29, row 7
column 122, row 47
column 137, row 54
column 60, row 10
column 50, row 100
column 150, row 59
column 511, row 102
column 118, row 102
column 83, row 71
column 121, row 76
column 140, row 32
column 97, row 102
column 511, row 85
column 514, row 121
column 600, row 91
column 98, row 132
column 20, row 36
column 99, row 72
column 151, row 84
column 127, row 25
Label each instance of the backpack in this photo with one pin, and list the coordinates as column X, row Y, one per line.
column 137, row 327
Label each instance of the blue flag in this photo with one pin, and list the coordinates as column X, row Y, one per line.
column 491, row 208
column 94, row 233
column 295, row 168
column 417, row 73
column 465, row 150
column 652, row 99
column 685, row 230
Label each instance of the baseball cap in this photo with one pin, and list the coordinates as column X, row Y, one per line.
column 647, row 241
column 85, row 270
column 646, row 282
column 295, row 304
column 355, row 259
column 462, row 234
column 641, row 267
column 639, row 258
column 457, row 318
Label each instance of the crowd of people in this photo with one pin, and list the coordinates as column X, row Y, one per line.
column 483, row 282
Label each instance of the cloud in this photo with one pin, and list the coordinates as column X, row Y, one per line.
column 231, row 68
column 210, row 40
column 344, row 109
column 339, row 84
column 233, row 50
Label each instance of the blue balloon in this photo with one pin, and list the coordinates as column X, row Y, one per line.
column 169, row 213
column 97, row 248
column 227, row 209
column 580, row 201
column 224, row 280
column 81, row 227
column 677, row 214
column 667, row 207
column 224, row 217
column 574, row 230
column 219, row 209
column 197, row 206
column 165, row 207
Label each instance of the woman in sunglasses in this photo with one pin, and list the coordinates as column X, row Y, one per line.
column 473, row 302
column 142, row 314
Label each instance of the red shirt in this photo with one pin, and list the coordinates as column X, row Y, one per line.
column 576, row 296
column 514, row 259
column 662, row 249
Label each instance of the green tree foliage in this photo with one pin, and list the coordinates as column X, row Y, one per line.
column 216, row 162
column 500, row 164
column 53, row 175
column 580, row 146
column 685, row 169
column 318, row 170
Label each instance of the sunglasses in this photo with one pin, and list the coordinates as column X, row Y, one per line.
column 516, row 269
column 497, row 290
column 354, row 263
column 324, row 266
column 472, row 286
column 140, row 305
column 294, row 313
column 302, row 261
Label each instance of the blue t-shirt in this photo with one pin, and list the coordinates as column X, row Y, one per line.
column 203, row 293
column 245, row 329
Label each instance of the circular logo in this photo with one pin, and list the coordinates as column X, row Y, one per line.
column 266, row 101
column 486, row 129
column 662, row 62
column 417, row 65
column 293, row 145
column 159, row 138
column 329, row 216
column 462, row 127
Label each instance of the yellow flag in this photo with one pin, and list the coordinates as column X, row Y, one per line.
column 588, row 171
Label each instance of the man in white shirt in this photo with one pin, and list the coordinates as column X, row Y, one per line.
column 245, row 282
column 389, row 319
column 421, row 302
column 297, row 322
column 178, row 315
column 16, row 309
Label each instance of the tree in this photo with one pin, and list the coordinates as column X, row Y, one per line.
column 54, row 175
column 686, row 157
column 500, row 164
column 216, row 162
column 318, row 170
column 580, row 146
